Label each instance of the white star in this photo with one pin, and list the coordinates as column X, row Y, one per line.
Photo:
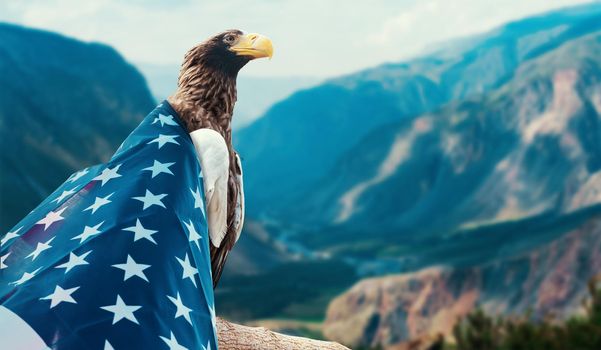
column 150, row 199
column 141, row 232
column 78, row 175
column 166, row 119
column 108, row 346
column 63, row 195
column 182, row 310
column 40, row 248
column 158, row 168
column 208, row 347
column 2, row 259
column 193, row 235
column 154, row 121
column 26, row 277
column 108, row 174
column 74, row 260
column 51, row 218
column 122, row 310
column 88, row 232
column 163, row 139
column 172, row 343
column 61, row 295
column 198, row 200
column 131, row 268
column 10, row 235
column 99, row 202
column 188, row 270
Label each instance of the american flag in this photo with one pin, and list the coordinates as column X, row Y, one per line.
column 117, row 257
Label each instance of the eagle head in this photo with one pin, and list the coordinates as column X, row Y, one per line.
column 229, row 51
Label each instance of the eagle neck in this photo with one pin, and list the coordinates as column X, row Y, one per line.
column 205, row 98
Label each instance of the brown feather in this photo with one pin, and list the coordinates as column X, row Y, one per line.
column 205, row 98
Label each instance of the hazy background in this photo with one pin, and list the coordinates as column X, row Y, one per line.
column 406, row 162
column 313, row 38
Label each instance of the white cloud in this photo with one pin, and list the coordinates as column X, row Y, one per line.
column 311, row 37
column 426, row 22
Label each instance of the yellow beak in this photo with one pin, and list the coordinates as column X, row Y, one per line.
column 253, row 45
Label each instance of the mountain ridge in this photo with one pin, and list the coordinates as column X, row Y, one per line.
column 353, row 105
column 548, row 280
column 477, row 163
column 41, row 97
column 321, row 204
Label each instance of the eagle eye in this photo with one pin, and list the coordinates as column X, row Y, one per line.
column 229, row 39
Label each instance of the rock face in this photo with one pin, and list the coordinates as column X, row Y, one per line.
column 330, row 139
column 548, row 280
column 517, row 194
column 477, row 158
column 64, row 105
column 490, row 201
column 529, row 148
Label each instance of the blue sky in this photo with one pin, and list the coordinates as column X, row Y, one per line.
column 311, row 37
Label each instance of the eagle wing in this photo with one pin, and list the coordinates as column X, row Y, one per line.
column 214, row 159
column 213, row 156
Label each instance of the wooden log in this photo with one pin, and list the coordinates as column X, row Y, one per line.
column 233, row 336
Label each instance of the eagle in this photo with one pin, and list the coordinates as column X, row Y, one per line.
column 117, row 256
column 204, row 100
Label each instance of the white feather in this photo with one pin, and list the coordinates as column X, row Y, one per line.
column 213, row 156
column 239, row 211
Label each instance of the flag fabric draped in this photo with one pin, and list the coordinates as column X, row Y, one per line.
column 117, row 257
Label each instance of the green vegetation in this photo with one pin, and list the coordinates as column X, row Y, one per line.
column 299, row 290
column 479, row 331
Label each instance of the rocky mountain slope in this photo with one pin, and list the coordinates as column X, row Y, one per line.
column 304, row 137
column 504, row 212
column 547, row 280
column 531, row 147
column 474, row 171
column 64, row 105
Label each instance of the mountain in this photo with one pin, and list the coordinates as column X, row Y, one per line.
column 490, row 201
column 255, row 94
column 64, row 105
column 469, row 177
column 530, row 147
column 256, row 252
column 547, row 280
column 304, row 137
